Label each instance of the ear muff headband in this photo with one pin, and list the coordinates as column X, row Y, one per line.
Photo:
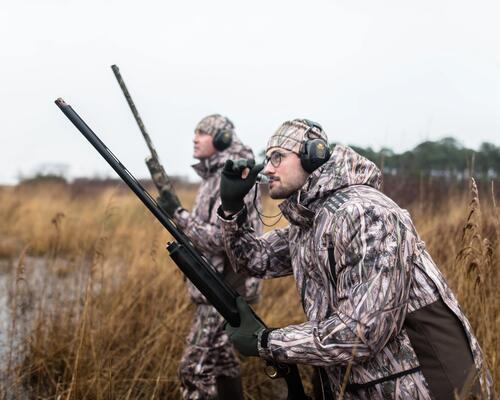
column 314, row 152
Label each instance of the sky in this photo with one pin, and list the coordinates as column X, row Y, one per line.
column 372, row 73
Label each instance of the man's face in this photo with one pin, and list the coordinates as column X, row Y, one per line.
column 203, row 146
column 287, row 173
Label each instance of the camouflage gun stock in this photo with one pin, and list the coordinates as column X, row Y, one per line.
column 194, row 266
column 158, row 174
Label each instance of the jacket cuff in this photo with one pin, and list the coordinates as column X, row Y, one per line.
column 240, row 217
column 262, row 344
column 180, row 217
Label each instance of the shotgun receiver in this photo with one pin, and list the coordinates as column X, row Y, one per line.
column 158, row 174
column 194, row 266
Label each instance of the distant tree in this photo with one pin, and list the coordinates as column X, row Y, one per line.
column 488, row 159
column 40, row 178
column 47, row 172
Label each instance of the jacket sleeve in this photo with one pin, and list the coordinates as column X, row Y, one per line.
column 207, row 236
column 372, row 287
column 264, row 257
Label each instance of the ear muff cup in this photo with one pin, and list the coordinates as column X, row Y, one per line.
column 222, row 139
column 314, row 153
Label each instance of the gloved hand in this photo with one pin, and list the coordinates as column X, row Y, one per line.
column 168, row 201
column 234, row 188
column 245, row 337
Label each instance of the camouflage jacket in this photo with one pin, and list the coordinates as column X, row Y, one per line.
column 360, row 268
column 203, row 227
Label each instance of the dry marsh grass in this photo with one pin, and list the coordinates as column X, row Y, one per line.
column 97, row 310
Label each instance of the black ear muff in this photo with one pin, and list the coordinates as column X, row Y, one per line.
column 314, row 153
column 222, row 139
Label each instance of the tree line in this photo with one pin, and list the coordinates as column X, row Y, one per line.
column 444, row 158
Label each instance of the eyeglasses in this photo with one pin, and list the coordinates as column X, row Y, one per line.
column 275, row 158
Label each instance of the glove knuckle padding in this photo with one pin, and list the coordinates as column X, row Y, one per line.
column 240, row 165
column 228, row 166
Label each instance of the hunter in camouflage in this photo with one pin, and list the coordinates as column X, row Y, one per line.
column 381, row 319
column 209, row 365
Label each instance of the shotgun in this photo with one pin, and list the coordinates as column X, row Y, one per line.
column 158, row 174
column 194, row 266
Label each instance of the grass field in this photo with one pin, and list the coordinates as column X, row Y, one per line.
column 94, row 308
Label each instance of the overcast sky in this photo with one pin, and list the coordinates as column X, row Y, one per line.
column 373, row 73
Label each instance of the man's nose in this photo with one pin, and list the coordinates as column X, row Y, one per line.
column 268, row 169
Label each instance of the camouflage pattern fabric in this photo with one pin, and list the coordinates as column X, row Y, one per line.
column 291, row 134
column 208, row 352
column 359, row 267
column 211, row 124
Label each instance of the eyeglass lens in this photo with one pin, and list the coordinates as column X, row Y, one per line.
column 275, row 159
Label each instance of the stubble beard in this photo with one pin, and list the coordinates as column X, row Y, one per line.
column 280, row 193
column 284, row 191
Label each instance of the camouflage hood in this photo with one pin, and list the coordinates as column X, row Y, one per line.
column 209, row 166
column 345, row 168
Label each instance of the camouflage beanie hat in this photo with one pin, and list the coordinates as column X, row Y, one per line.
column 291, row 134
column 213, row 123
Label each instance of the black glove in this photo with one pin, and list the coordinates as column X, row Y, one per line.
column 169, row 202
column 245, row 337
column 234, row 188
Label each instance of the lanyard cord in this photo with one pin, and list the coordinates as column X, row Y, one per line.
column 260, row 215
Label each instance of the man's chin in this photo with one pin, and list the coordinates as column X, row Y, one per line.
column 201, row 156
column 279, row 194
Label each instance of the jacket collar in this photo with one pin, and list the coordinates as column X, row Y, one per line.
column 208, row 166
column 296, row 213
column 344, row 168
